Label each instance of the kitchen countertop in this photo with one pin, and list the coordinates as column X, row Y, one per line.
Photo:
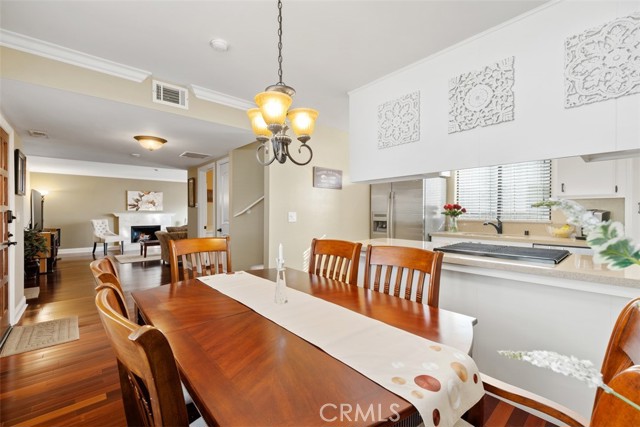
column 575, row 267
column 547, row 240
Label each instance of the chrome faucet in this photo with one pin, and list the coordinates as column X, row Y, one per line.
column 497, row 225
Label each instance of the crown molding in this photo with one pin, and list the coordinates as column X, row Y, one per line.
column 221, row 98
column 59, row 53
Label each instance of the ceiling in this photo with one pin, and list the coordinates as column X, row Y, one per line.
column 330, row 48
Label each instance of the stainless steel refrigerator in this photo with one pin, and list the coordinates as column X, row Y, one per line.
column 408, row 209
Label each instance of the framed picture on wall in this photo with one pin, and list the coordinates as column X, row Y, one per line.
column 20, row 162
column 327, row 178
column 191, row 192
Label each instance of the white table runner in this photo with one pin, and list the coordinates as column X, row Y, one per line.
column 440, row 381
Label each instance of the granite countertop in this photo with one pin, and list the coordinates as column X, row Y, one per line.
column 547, row 240
column 575, row 267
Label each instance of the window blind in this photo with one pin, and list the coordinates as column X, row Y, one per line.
column 506, row 191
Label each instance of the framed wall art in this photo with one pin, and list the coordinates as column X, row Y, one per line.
column 327, row 178
column 144, row 200
column 20, row 163
column 191, row 192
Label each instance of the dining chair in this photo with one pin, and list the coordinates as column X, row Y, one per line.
column 620, row 371
column 102, row 234
column 335, row 259
column 149, row 378
column 103, row 265
column 200, row 257
column 394, row 262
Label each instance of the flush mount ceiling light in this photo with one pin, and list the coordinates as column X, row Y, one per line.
column 269, row 120
column 220, row 45
column 150, row 143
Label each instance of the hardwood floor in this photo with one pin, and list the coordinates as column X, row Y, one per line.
column 75, row 383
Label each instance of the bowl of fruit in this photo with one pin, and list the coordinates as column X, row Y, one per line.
column 560, row 230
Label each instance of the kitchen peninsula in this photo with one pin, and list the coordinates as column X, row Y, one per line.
column 569, row 308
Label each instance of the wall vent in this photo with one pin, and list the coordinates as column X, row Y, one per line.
column 38, row 133
column 176, row 96
column 193, row 155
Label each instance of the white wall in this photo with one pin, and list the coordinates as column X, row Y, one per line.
column 341, row 214
column 542, row 128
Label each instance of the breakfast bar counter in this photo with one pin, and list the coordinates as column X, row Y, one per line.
column 578, row 270
column 569, row 308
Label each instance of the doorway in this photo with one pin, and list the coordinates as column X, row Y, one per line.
column 213, row 216
column 4, row 234
column 222, row 198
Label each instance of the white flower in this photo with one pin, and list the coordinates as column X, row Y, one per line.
column 569, row 366
column 565, row 365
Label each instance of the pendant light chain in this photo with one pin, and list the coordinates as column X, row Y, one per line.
column 280, row 42
column 271, row 125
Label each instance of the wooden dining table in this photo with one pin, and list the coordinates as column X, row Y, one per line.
column 242, row 369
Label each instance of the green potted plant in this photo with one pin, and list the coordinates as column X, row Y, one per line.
column 34, row 243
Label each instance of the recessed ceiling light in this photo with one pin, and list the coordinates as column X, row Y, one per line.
column 135, row 155
column 219, row 45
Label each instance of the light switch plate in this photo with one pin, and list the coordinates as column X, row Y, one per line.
column 293, row 216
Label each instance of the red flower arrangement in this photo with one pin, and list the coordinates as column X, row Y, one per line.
column 454, row 210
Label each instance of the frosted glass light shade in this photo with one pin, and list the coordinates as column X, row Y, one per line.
column 273, row 106
column 150, row 143
column 302, row 120
column 257, row 123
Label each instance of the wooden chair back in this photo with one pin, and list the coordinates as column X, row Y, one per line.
column 620, row 371
column 200, row 257
column 335, row 259
column 117, row 299
column 408, row 268
column 103, row 265
column 149, row 377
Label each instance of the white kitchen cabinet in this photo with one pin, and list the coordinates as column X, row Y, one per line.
column 573, row 177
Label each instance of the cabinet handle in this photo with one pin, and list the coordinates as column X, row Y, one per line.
column 616, row 188
column 562, row 187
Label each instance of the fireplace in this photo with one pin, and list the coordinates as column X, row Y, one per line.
column 143, row 232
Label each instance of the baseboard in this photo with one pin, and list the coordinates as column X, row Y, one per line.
column 76, row 250
column 21, row 308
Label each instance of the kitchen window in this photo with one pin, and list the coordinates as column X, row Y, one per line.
column 506, row 191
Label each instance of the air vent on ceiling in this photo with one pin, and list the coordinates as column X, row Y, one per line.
column 38, row 133
column 176, row 96
column 193, row 155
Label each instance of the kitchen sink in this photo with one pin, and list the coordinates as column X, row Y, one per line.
column 543, row 255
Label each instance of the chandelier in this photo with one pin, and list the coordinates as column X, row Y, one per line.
column 269, row 121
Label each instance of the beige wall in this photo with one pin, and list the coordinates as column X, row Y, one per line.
column 74, row 200
column 25, row 67
column 246, row 185
column 341, row 214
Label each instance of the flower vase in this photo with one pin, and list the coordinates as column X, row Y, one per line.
column 453, row 224
column 281, row 284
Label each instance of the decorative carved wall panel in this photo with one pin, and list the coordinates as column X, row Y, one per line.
column 399, row 121
column 603, row 63
column 482, row 97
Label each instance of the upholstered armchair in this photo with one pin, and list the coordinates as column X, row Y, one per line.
column 102, row 234
column 172, row 233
